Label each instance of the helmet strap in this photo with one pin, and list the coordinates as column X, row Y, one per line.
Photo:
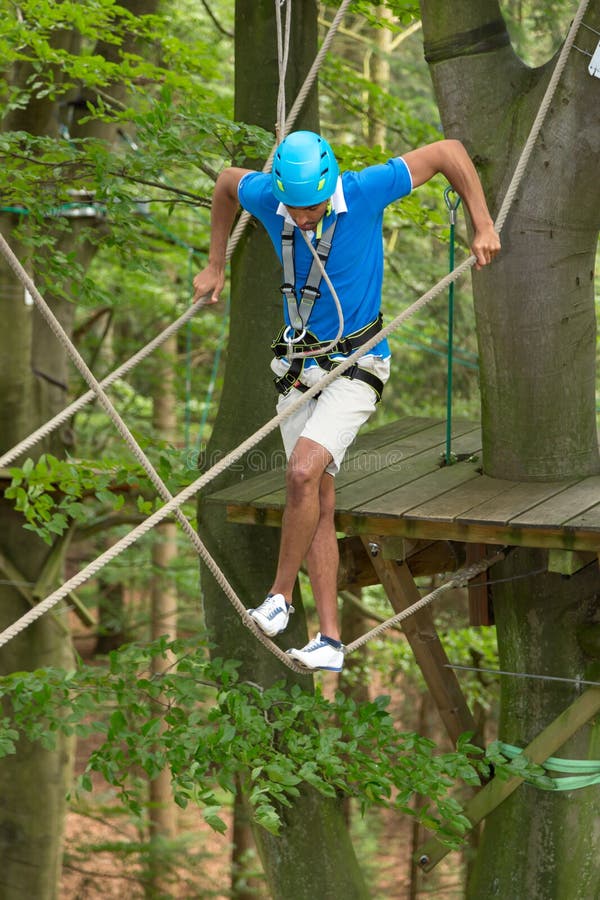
column 319, row 230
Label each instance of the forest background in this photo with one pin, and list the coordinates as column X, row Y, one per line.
column 122, row 225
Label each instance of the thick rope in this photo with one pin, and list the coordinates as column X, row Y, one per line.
column 52, row 424
column 283, row 52
column 293, row 113
column 235, row 237
column 187, row 493
column 459, row 579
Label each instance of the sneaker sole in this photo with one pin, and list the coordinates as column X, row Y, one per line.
column 316, row 668
column 264, row 630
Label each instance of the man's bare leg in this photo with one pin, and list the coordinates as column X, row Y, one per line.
column 302, row 514
column 322, row 561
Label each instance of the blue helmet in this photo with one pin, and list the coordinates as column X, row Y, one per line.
column 305, row 171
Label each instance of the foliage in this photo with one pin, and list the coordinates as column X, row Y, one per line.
column 53, row 493
column 209, row 728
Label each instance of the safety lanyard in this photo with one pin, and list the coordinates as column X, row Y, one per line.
column 299, row 313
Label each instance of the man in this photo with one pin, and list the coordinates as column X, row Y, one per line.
column 303, row 198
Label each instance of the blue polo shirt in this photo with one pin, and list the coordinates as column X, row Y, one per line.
column 355, row 264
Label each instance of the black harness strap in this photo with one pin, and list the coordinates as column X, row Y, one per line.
column 347, row 345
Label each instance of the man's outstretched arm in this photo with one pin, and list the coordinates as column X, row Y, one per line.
column 450, row 158
column 224, row 207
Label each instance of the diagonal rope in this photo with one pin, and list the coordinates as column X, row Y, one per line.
column 52, row 424
column 187, row 493
column 236, row 234
column 459, row 579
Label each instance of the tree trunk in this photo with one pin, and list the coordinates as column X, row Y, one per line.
column 33, row 388
column 313, row 855
column 536, row 331
column 34, row 782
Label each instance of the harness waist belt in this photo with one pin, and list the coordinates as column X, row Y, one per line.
column 291, row 378
column 345, row 345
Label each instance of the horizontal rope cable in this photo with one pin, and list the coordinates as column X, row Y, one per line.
column 576, row 681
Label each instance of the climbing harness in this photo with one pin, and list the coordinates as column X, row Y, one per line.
column 322, row 352
column 173, row 504
column 299, row 312
column 301, row 345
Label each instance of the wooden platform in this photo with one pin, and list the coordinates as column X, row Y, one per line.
column 392, row 484
column 403, row 514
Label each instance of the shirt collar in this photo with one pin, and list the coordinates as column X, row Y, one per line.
column 338, row 203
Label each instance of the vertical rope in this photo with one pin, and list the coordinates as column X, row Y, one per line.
column 283, row 51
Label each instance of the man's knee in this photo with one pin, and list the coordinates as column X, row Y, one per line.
column 306, row 465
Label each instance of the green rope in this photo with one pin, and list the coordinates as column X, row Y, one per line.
column 452, row 204
column 586, row 771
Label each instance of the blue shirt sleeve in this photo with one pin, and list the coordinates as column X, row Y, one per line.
column 382, row 184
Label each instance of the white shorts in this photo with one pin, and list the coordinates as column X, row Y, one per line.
column 334, row 418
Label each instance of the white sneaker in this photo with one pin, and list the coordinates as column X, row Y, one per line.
column 272, row 615
column 319, row 654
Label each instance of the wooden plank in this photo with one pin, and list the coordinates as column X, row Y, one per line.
column 432, row 484
column 367, row 454
column 249, row 489
column 393, row 431
column 351, row 522
column 457, row 502
column 570, row 503
column 423, row 638
column 515, row 501
column 589, row 520
column 373, row 485
column 395, row 454
column 362, row 493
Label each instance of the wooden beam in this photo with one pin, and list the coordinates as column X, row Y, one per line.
column 423, row 557
column 496, row 791
column 480, row 607
column 423, row 638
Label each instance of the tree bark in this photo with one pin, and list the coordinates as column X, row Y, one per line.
column 33, row 388
column 313, row 856
column 536, row 331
